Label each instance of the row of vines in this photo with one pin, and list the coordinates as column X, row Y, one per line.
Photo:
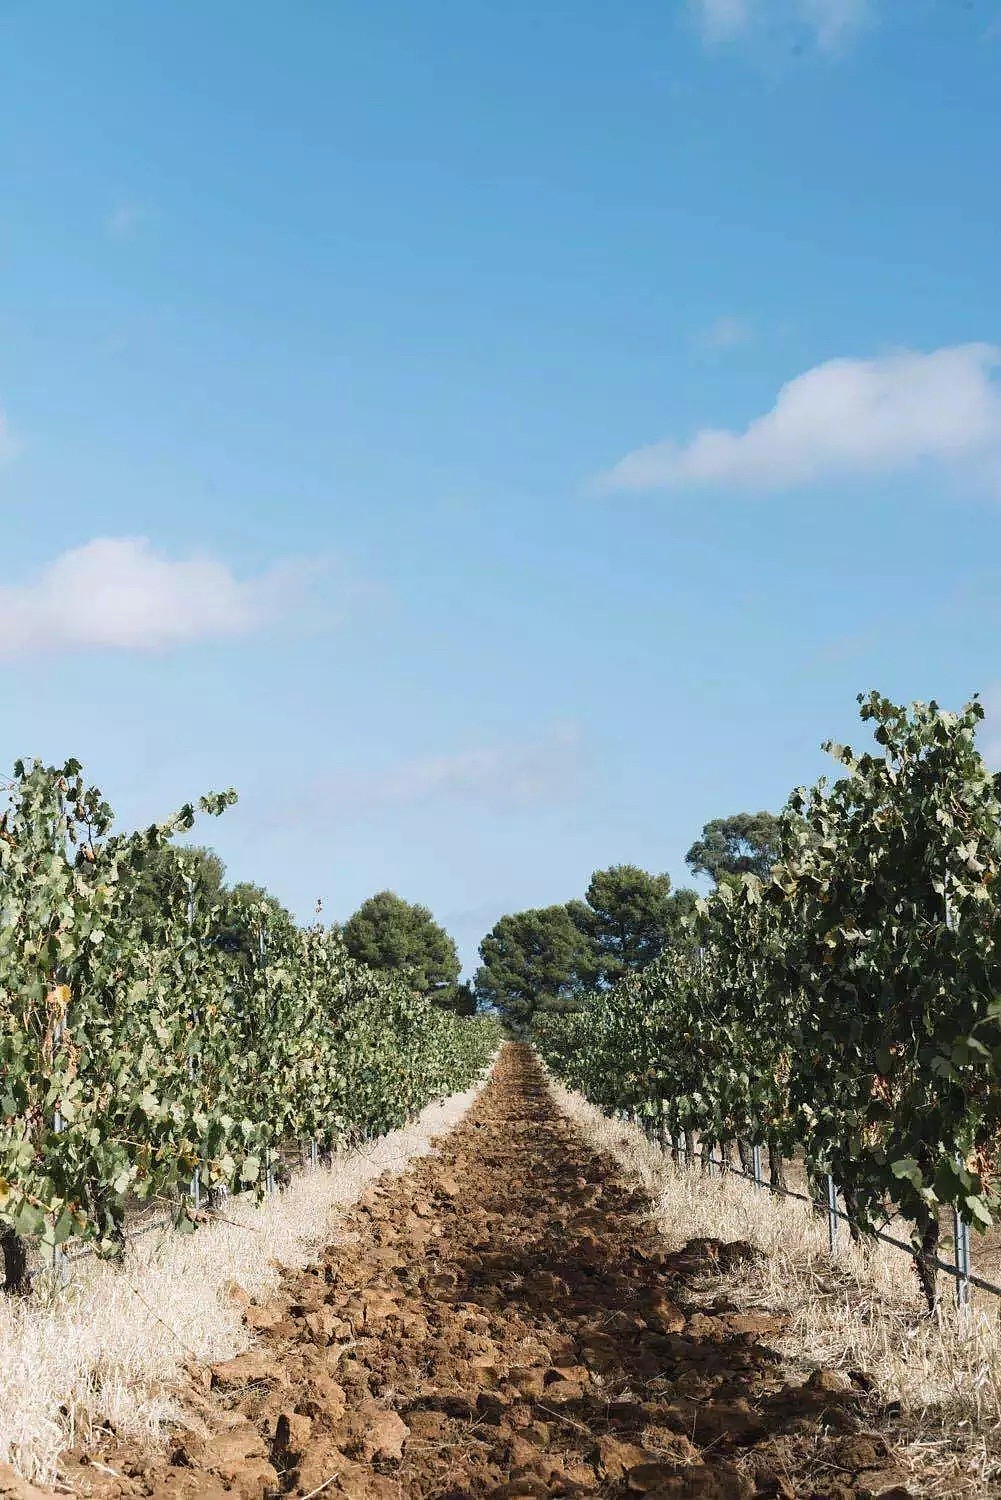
column 140, row 1056
column 848, row 1008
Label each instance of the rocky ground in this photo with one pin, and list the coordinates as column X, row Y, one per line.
column 502, row 1321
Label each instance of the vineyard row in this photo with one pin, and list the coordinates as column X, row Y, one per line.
column 144, row 1058
column 848, row 1007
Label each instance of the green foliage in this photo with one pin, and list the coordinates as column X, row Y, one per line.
column 243, row 910
column 533, row 960
column 548, row 958
column 166, row 875
column 894, row 940
column 627, row 916
column 847, row 1003
column 136, row 1047
column 743, row 844
column 391, row 934
column 680, row 910
column 463, row 1001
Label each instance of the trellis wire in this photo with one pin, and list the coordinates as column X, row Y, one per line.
column 959, row 1269
column 162, row 1221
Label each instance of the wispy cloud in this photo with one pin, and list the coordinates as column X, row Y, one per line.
column 724, row 333
column 722, row 19
column 125, row 220
column 831, row 23
column 118, row 593
column 500, row 778
column 835, row 21
column 845, row 417
column 8, row 442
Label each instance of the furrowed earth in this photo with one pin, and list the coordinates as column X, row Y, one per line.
column 503, row 1321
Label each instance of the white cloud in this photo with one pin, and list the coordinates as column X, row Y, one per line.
column 847, row 416
column 116, row 592
column 830, row 22
column 725, row 333
column 501, row 778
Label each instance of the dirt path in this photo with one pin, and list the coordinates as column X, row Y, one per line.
column 501, row 1321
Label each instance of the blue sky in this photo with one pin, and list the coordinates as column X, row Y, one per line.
column 496, row 439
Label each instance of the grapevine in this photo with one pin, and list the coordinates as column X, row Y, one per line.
column 133, row 1057
column 846, row 1007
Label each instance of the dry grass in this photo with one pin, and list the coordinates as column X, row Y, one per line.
column 859, row 1311
column 108, row 1349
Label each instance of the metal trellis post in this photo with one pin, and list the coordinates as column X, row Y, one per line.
column 961, row 1269
column 269, row 1171
column 832, row 1214
column 60, row 1263
column 196, row 1176
column 961, row 1239
column 960, row 1228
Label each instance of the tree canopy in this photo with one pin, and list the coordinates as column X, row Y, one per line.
column 170, row 874
column 389, row 933
column 743, row 844
column 533, row 960
column 627, row 916
column 247, row 910
column 547, row 958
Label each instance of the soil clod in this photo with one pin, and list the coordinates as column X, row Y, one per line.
column 503, row 1321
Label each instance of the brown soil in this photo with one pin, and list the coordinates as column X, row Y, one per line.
column 503, row 1321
